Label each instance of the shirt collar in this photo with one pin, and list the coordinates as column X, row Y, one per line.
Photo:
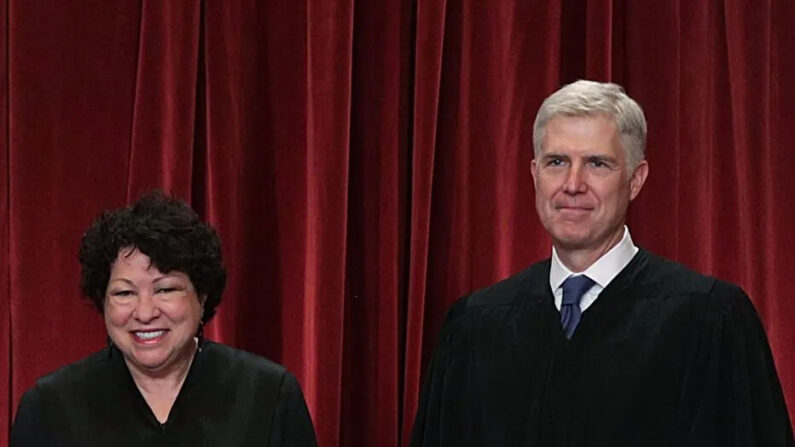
column 603, row 270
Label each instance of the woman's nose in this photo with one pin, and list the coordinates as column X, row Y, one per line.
column 147, row 308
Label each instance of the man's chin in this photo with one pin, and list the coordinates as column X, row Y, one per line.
column 571, row 242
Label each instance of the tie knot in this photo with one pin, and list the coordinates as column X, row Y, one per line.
column 574, row 287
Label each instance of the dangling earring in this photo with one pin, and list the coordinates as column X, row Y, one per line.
column 200, row 336
column 200, row 331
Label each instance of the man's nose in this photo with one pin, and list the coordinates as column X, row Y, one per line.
column 575, row 179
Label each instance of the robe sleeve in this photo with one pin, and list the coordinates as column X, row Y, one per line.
column 732, row 396
column 292, row 425
column 29, row 428
column 438, row 412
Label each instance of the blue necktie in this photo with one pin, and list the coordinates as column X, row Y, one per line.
column 574, row 287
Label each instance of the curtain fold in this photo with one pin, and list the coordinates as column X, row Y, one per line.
column 164, row 107
column 366, row 165
column 602, row 21
column 329, row 59
column 377, row 225
column 5, row 286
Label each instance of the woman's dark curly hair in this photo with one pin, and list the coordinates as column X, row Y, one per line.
column 166, row 230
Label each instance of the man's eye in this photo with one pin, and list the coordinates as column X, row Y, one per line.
column 599, row 164
column 555, row 162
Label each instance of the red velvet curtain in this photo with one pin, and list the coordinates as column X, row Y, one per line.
column 366, row 164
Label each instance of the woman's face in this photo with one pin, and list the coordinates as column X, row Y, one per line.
column 151, row 316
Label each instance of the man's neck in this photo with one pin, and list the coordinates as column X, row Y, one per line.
column 578, row 260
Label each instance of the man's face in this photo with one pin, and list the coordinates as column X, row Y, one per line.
column 582, row 183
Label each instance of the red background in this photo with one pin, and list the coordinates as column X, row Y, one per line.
column 366, row 163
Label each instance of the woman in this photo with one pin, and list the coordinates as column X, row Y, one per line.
column 154, row 271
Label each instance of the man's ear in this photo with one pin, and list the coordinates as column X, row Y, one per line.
column 533, row 166
column 638, row 178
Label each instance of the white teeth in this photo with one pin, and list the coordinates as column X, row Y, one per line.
column 148, row 335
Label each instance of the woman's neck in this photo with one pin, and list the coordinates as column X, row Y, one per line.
column 161, row 388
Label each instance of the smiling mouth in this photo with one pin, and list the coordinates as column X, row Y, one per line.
column 148, row 336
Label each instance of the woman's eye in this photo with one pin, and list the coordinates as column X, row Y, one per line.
column 166, row 290
column 122, row 296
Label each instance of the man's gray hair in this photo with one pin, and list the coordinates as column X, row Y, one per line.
column 583, row 98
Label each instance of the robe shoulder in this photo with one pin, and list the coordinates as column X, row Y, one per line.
column 77, row 377
column 515, row 289
column 659, row 277
column 531, row 282
column 224, row 366
column 652, row 278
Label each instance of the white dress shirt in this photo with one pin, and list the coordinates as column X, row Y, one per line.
column 602, row 271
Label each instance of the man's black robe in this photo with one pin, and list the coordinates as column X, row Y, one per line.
column 664, row 357
column 229, row 398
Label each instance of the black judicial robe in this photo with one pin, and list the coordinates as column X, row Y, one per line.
column 664, row 357
column 229, row 398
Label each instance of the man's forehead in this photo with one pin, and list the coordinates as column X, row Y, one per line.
column 594, row 132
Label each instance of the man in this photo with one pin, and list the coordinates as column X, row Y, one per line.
column 604, row 344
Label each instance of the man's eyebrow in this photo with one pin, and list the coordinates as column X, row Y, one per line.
column 597, row 157
column 554, row 155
